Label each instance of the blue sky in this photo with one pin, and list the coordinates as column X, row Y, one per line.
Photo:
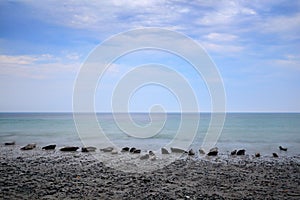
column 254, row 44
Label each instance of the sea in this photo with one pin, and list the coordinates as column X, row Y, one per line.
column 254, row 132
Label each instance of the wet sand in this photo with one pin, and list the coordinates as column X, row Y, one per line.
column 38, row 174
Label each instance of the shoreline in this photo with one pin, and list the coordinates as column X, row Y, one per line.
column 38, row 174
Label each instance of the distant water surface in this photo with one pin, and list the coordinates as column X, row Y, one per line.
column 256, row 132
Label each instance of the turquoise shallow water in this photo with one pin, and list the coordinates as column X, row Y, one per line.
column 256, row 132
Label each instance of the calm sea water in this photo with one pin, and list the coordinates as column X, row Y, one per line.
column 256, row 132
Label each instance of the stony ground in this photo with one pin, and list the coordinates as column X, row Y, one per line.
column 44, row 175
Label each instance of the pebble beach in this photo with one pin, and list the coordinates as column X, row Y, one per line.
column 40, row 174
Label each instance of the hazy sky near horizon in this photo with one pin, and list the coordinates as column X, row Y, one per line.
column 254, row 44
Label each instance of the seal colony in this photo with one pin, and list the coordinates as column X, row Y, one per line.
column 51, row 174
column 212, row 152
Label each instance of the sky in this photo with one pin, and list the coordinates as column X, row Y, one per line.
column 255, row 46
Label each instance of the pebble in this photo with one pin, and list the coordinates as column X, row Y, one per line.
column 38, row 175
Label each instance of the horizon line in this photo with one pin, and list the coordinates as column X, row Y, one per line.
column 172, row 112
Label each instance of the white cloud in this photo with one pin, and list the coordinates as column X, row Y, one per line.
column 220, row 37
column 289, row 61
column 101, row 15
column 224, row 13
column 221, row 25
column 114, row 16
column 135, row 3
column 223, row 43
column 120, row 15
column 73, row 56
column 36, row 66
column 222, row 48
column 114, row 68
column 19, row 60
column 282, row 24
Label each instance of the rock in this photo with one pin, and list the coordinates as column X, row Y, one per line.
column 88, row 149
column 233, row 152
column 241, row 152
column 275, row 155
column 107, row 149
column 132, row 150
column 125, row 149
column 201, row 151
column 114, row 151
column 177, row 150
column 10, row 143
column 164, row 151
column 137, row 151
column 191, row 152
column 69, row 148
column 257, row 155
column 213, row 151
column 282, row 148
column 28, row 147
column 49, row 147
column 145, row 157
